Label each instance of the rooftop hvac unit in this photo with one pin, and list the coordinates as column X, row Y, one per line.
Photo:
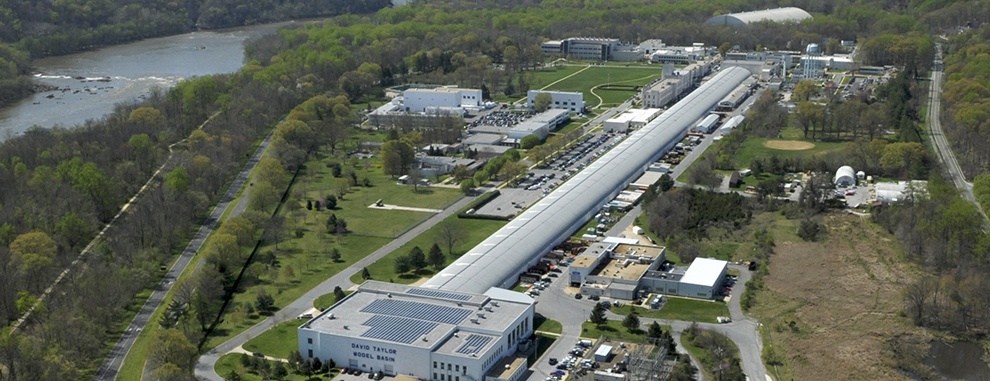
column 481, row 315
column 475, row 321
column 494, row 303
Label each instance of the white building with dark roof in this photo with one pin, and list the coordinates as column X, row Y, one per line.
column 428, row 334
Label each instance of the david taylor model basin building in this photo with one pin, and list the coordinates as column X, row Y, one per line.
column 423, row 333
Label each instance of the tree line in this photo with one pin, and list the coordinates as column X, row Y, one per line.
column 964, row 110
column 943, row 234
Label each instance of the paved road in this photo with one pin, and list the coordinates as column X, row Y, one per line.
column 205, row 367
column 937, row 136
column 555, row 303
column 115, row 359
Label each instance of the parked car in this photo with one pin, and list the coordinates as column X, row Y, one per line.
column 577, row 296
column 258, row 354
column 553, row 361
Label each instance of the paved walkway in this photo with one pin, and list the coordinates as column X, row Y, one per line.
column 205, row 367
column 409, row 208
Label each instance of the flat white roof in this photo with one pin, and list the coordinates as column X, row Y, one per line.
column 704, row 271
column 648, row 178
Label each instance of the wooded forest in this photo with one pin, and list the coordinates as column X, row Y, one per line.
column 60, row 186
column 966, row 114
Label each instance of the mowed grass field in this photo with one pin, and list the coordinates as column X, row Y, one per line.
column 277, row 341
column 476, row 231
column 303, row 255
column 601, row 75
column 754, row 147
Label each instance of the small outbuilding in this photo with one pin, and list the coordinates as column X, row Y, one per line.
column 845, row 176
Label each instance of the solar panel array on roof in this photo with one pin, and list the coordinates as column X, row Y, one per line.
column 417, row 310
column 439, row 294
column 397, row 329
column 474, row 344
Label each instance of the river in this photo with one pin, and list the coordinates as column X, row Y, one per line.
column 90, row 83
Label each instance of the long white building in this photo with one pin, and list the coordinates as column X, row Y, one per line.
column 498, row 260
column 463, row 325
column 423, row 333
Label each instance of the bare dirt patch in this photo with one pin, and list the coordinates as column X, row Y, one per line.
column 830, row 307
column 788, row 145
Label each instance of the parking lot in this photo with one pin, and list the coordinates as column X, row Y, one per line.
column 359, row 375
column 541, row 181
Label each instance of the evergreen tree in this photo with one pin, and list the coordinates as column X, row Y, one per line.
column 278, row 371
column 402, row 265
column 631, row 322
column 335, row 255
column 654, row 332
column 365, row 274
column 598, row 315
column 436, row 258
column 417, row 259
column 338, row 294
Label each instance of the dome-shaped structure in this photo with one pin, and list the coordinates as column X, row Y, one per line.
column 845, row 176
column 778, row 15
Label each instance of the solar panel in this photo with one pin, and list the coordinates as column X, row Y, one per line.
column 417, row 310
column 439, row 294
column 397, row 329
column 474, row 344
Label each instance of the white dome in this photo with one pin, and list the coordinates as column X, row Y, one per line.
column 845, row 176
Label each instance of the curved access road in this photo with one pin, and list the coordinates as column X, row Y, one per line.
column 205, row 367
column 115, row 359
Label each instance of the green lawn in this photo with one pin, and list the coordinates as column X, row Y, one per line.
column 753, row 148
column 278, row 341
column 601, row 75
column 384, row 268
column 680, row 309
column 307, row 257
column 574, row 124
column 547, row 325
column 354, row 207
column 613, row 329
column 546, row 76
column 326, row 300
